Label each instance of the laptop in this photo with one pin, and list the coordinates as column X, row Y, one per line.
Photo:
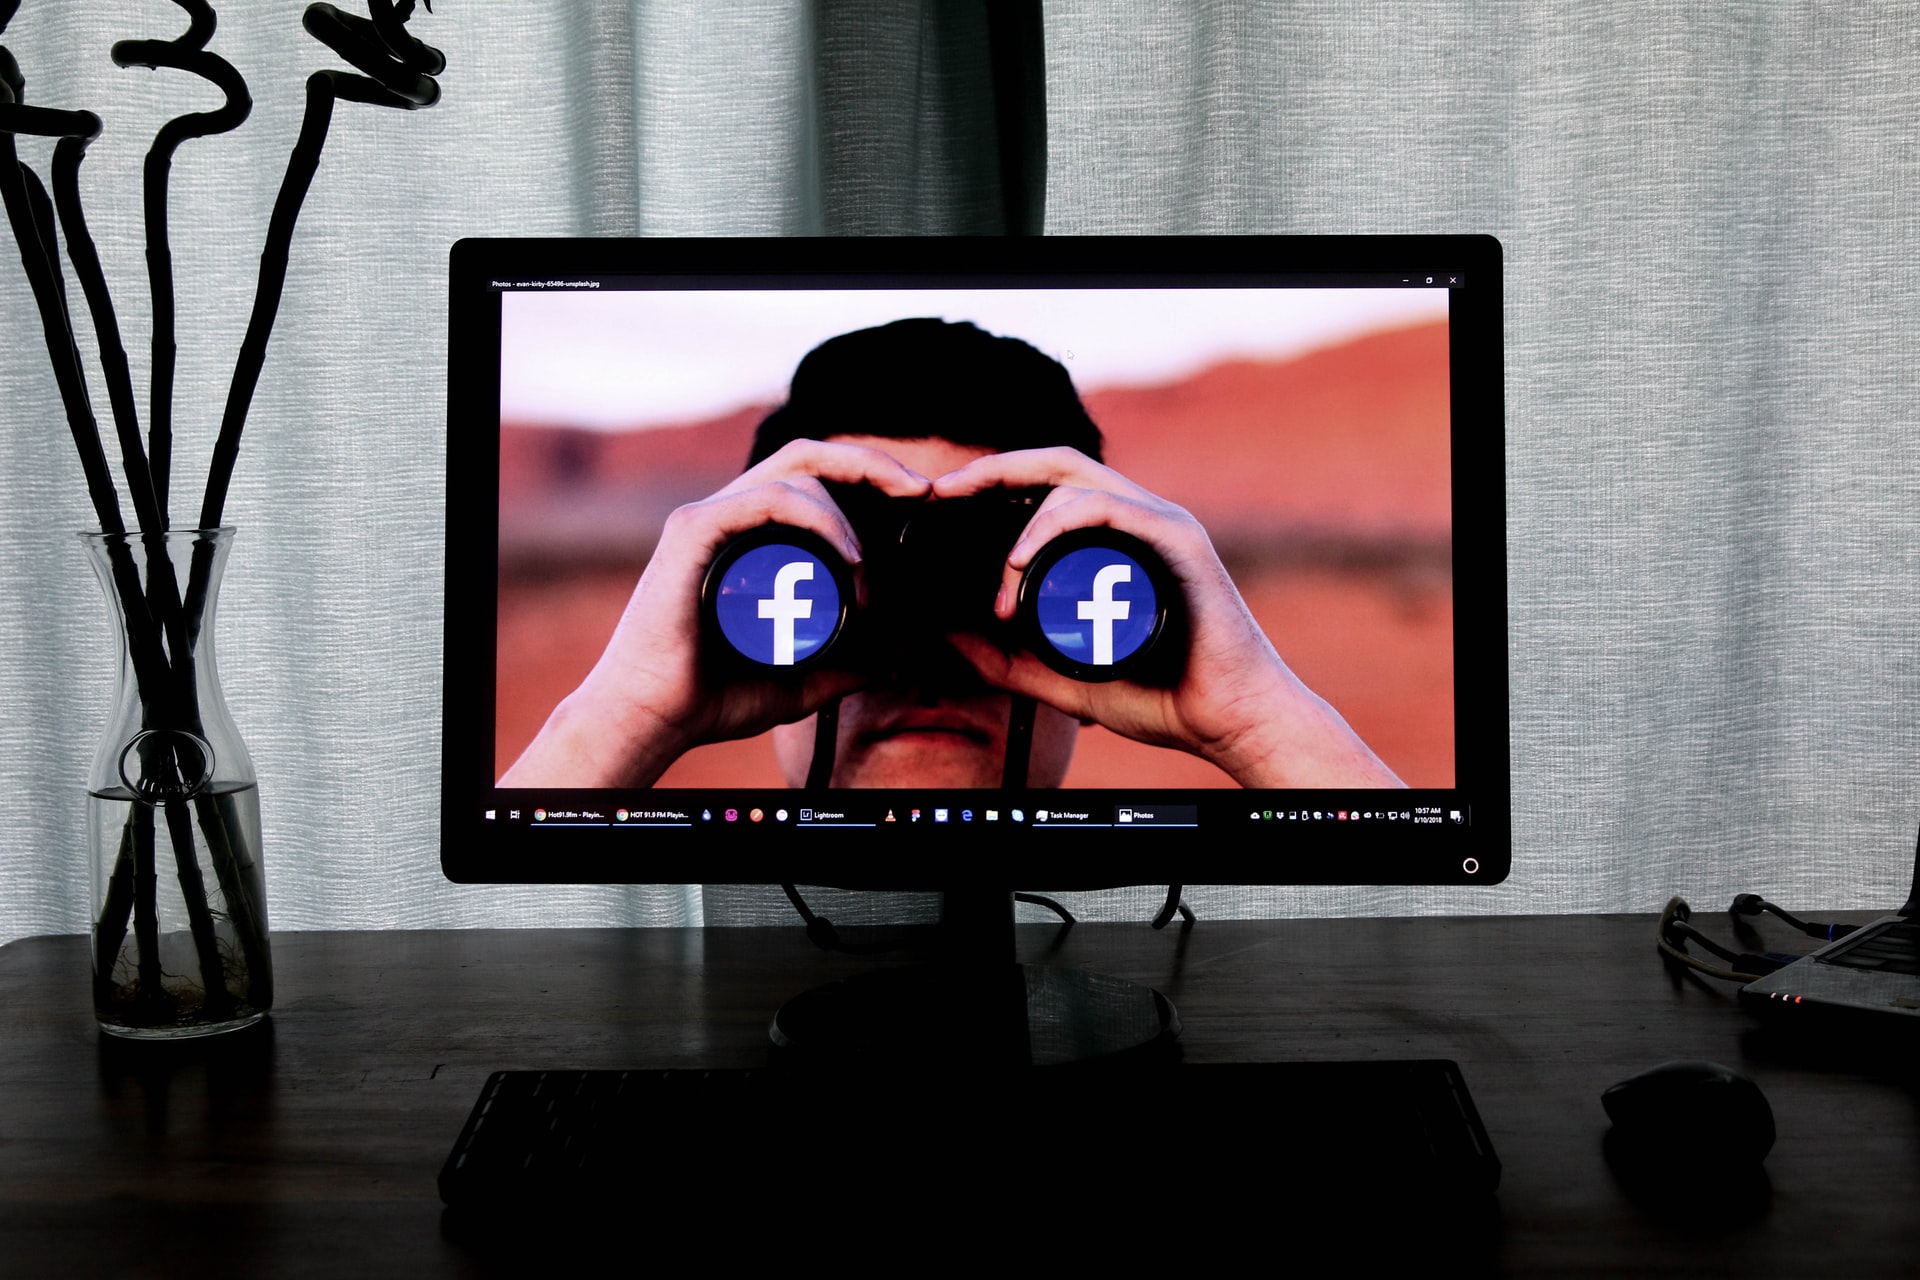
column 1874, row 970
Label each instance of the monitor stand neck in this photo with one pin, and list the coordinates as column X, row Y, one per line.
column 973, row 1006
column 976, row 928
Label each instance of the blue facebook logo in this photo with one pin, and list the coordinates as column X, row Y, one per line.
column 1097, row 606
column 778, row 605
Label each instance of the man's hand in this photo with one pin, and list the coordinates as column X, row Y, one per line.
column 645, row 702
column 1236, row 704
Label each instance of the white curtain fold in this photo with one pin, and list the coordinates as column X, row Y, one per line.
column 1709, row 214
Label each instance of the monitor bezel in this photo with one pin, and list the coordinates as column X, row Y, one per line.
column 479, row 849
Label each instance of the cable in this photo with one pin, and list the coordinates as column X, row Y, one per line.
column 1752, row 904
column 822, row 934
column 1676, row 911
column 1038, row 900
column 826, row 736
column 1013, row 773
column 1675, row 932
column 1174, row 904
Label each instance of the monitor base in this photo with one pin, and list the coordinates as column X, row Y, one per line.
column 1002, row 1015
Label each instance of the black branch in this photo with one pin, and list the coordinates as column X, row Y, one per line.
column 185, row 53
column 392, row 62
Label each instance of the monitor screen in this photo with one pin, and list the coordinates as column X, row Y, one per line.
column 1051, row 563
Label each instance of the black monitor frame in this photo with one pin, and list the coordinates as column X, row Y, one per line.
column 481, row 843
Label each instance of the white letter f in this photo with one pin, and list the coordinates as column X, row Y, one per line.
column 784, row 607
column 1103, row 610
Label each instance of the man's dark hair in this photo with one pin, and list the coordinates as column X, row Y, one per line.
column 918, row 378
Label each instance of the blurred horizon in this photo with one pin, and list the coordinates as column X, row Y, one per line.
column 1323, row 479
column 627, row 360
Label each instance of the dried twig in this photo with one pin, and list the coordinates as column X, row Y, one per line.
column 30, row 214
column 113, row 354
column 185, row 53
column 396, row 76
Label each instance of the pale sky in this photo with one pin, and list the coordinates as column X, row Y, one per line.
column 621, row 359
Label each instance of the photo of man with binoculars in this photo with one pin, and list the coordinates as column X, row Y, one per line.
column 927, row 576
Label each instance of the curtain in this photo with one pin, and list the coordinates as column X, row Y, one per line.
column 1709, row 214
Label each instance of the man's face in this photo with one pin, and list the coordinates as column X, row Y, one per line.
column 950, row 734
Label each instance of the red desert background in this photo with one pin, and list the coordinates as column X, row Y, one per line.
column 1323, row 481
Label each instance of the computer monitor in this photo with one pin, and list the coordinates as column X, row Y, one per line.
column 977, row 565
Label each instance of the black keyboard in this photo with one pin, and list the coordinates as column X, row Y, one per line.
column 579, row 1139
column 1894, row 948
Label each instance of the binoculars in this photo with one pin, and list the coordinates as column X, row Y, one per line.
column 1095, row 604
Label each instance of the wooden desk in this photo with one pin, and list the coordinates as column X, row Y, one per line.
column 313, row 1147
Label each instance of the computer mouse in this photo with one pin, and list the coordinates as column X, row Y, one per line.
column 1688, row 1111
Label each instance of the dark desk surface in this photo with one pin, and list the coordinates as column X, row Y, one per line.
column 313, row 1147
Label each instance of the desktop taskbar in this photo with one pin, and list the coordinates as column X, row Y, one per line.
column 1362, row 836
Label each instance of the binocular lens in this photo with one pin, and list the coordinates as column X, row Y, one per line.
column 1098, row 600
column 778, row 597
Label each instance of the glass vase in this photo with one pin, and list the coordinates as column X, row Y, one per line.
column 173, row 814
